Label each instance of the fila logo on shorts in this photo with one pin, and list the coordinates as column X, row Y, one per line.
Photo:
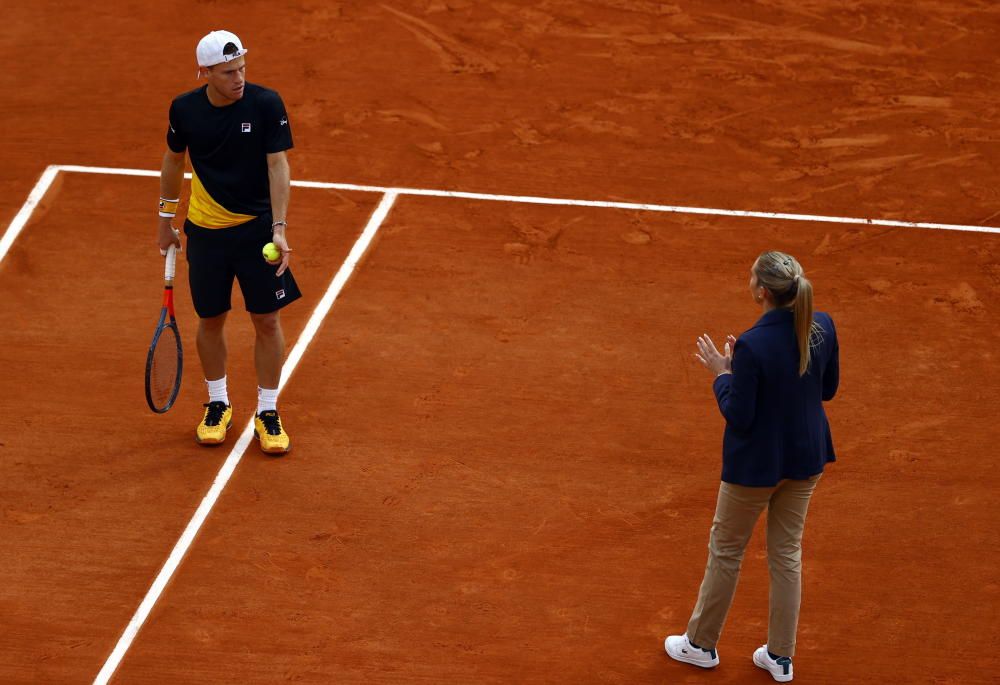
column 280, row 294
column 284, row 121
column 245, row 127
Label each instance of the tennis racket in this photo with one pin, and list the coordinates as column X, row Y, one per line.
column 165, row 360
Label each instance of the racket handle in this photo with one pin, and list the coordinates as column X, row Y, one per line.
column 170, row 266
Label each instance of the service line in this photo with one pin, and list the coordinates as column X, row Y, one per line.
column 530, row 199
column 229, row 466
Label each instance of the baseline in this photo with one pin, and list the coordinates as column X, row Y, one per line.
column 530, row 199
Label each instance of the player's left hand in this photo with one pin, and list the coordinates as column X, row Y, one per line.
column 710, row 357
column 280, row 242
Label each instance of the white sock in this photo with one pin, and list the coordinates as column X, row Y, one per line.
column 267, row 399
column 217, row 391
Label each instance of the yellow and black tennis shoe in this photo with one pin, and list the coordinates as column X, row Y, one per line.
column 217, row 420
column 272, row 436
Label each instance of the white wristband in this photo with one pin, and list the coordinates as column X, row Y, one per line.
column 168, row 207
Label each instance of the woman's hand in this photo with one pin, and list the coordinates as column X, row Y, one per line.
column 716, row 362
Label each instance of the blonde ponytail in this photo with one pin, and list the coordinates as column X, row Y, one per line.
column 803, row 308
column 784, row 278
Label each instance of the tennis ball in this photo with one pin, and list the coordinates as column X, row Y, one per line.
column 271, row 252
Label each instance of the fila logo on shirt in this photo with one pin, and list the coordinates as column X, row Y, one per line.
column 283, row 122
column 245, row 127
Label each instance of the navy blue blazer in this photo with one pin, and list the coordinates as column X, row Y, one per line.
column 775, row 424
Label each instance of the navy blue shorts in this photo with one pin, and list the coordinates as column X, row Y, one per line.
column 216, row 256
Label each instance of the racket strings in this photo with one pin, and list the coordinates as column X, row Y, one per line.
column 163, row 372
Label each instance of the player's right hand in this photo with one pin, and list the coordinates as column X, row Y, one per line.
column 167, row 235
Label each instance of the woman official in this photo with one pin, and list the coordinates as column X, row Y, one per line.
column 770, row 385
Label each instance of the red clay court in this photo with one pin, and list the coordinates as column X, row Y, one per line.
column 521, row 216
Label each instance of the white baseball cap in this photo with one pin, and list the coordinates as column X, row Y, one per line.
column 218, row 47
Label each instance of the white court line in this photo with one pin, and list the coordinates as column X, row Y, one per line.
column 529, row 199
column 187, row 537
column 22, row 216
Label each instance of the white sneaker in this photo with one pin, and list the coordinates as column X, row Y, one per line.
column 679, row 647
column 780, row 668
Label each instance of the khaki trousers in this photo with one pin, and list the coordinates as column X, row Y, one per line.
column 736, row 514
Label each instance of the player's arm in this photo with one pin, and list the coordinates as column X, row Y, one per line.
column 280, row 178
column 171, row 177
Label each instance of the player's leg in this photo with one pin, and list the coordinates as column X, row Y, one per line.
column 218, row 416
column 212, row 350
column 269, row 348
column 269, row 353
column 210, row 277
column 265, row 295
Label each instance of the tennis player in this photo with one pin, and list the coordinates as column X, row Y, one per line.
column 236, row 134
column 770, row 385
